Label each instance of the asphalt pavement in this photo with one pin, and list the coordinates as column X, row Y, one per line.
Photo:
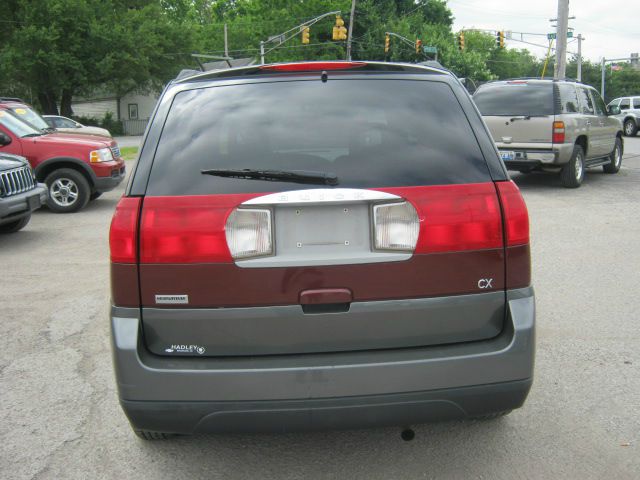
column 60, row 416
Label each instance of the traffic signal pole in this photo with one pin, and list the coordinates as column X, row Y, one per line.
column 289, row 34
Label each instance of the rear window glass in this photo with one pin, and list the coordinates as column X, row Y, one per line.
column 517, row 98
column 369, row 133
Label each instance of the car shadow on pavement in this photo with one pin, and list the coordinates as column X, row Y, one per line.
column 551, row 181
column 372, row 453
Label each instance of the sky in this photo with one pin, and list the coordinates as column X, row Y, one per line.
column 610, row 28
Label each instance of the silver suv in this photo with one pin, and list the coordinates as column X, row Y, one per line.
column 551, row 125
column 629, row 113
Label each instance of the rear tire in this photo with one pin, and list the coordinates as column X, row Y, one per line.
column 615, row 159
column 572, row 174
column 147, row 435
column 15, row 226
column 69, row 190
column 630, row 128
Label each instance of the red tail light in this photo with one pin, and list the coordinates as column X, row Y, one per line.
column 123, row 232
column 312, row 66
column 186, row 229
column 516, row 217
column 558, row 132
column 455, row 217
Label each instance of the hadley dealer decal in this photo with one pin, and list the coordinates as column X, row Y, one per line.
column 185, row 349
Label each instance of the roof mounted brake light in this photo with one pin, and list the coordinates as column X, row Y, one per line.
column 312, row 66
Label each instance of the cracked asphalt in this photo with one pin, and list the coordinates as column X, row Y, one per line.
column 59, row 415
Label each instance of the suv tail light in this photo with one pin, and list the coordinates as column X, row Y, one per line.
column 123, row 231
column 396, row 227
column 558, row 132
column 516, row 217
column 248, row 233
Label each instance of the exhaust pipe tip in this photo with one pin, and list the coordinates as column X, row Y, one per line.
column 407, row 434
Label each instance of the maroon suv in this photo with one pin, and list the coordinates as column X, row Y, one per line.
column 76, row 168
column 319, row 245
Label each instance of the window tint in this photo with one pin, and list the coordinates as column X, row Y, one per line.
column 568, row 98
column 601, row 109
column 625, row 104
column 515, row 98
column 614, row 103
column 585, row 101
column 636, row 103
column 370, row 133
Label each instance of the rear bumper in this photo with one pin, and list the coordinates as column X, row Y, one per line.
column 536, row 157
column 17, row 206
column 337, row 390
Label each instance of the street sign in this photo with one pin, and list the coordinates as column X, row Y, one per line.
column 552, row 36
column 426, row 49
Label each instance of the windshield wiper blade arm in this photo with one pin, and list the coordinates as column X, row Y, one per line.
column 293, row 176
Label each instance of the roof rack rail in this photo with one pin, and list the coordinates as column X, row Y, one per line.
column 565, row 79
column 11, row 99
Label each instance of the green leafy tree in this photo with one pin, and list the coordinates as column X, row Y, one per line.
column 59, row 48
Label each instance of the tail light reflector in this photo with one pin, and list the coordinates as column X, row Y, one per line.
column 396, row 227
column 123, row 231
column 187, row 229
column 516, row 217
column 455, row 217
column 248, row 233
column 558, row 132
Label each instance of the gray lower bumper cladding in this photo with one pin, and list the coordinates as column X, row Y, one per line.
column 325, row 391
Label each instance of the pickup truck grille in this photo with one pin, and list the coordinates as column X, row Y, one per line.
column 18, row 180
column 116, row 151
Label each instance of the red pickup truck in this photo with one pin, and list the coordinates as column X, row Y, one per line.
column 76, row 168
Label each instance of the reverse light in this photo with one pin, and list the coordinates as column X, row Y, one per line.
column 396, row 227
column 102, row 155
column 248, row 233
column 558, row 132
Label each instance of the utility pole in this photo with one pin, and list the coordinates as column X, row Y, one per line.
column 579, row 74
column 226, row 42
column 560, row 69
column 602, row 79
column 353, row 13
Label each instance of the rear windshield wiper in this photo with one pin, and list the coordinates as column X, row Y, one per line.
column 32, row 135
column 294, row 176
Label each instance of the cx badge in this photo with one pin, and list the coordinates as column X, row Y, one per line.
column 485, row 283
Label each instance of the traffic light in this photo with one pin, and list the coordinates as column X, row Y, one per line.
column 418, row 45
column 500, row 39
column 387, row 43
column 305, row 35
column 461, row 41
column 339, row 30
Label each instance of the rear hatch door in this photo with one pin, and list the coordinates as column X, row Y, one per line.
column 405, row 250
column 519, row 113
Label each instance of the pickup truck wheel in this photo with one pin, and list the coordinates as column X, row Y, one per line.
column 15, row 226
column 147, row 435
column 68, row 190
column 572, row 173
column 615, row 159
column 630, row 128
